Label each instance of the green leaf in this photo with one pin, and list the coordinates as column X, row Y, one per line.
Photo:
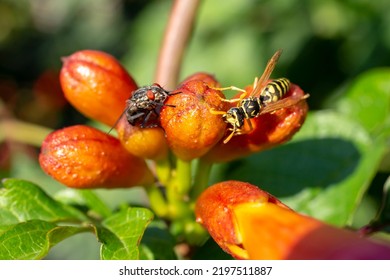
column 84, row 198
column 122, row 232
column 33, row 239
column 157, row 243
column 323, row 172
column 21, row 201
column 95, row 203
column 211, row 251
column 368, row 101
column 382, row 220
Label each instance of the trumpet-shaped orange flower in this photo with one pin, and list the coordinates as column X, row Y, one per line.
column 249, row 223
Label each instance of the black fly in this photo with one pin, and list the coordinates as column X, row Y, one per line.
column 144, row 105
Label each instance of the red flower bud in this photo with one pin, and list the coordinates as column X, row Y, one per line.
column 191, row 129
column 96, row 84
column 84, row 157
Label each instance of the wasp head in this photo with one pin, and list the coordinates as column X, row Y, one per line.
column 234, row 116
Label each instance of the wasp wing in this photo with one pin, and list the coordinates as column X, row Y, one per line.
column 262, row 81
column 283, row 103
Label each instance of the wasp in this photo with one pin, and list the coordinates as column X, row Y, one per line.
column 266, row 97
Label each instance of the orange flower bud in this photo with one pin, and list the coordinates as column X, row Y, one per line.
column 84, row 157
column 249, row 223
column 269, row 130
column 207, row 78
column 96, row 84
column 147, row 143
column 191, row 129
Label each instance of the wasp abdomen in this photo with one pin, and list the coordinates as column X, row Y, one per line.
column 274, row 90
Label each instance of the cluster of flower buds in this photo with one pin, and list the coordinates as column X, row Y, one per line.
column 98, row 86
column 244, row 220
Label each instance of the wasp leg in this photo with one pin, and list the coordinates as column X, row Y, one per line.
column 245, row 131
column 234, row 100
column 250, row 126
column 215, row 112
column 238, row 131
column 242, row 96
column 229, row 88
column 229, row 137
column 234, row 132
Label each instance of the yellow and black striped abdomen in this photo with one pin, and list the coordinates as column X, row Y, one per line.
column 274, row 90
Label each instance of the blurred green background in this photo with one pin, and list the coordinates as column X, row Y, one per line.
column 326, row 44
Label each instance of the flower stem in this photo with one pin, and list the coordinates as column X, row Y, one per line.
column 183, row 176
column 175, row 40
column 202, row 177
column 157, row 200
column 23, row 132
column 163, row 171
column 177, row 190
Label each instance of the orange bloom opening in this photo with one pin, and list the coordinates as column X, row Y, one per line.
column 248, row 223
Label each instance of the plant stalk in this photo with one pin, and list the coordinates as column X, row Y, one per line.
column 176, row 36
column 23, row 132
column 202, row 177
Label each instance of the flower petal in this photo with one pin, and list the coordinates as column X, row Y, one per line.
column 249, row 223
column 271, row 232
